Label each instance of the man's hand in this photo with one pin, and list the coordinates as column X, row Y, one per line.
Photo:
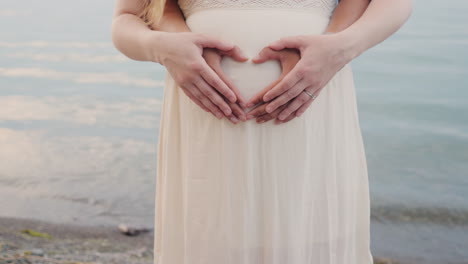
column 288, row 58
column 322, row 57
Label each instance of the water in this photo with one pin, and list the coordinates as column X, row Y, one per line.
column 79, row 125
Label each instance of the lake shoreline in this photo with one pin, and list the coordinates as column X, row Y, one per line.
column 68, row 243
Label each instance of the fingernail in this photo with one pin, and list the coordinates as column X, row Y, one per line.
column 269, row 108
column 219, row 115
column 233, row 118
column 249, row 116
column 281, row 117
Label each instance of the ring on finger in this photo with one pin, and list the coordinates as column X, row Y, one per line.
column 311, row 95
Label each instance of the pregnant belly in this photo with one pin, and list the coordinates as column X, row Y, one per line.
column 252, row 30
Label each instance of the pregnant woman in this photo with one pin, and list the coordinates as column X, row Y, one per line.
column 234, row 190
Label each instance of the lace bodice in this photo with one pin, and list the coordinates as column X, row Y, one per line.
column 325, row 7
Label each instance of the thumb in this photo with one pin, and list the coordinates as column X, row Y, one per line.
column 286, row 42
column 210, row 42
column 266, row 54
column 235, row 53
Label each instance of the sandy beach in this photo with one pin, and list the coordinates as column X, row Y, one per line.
column 25, row 241
column 70, row 244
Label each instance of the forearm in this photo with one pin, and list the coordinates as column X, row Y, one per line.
column 132, row 37
column 136, row 40
column 381, row 19
column 345, row 14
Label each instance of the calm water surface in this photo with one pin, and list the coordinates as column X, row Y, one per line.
column 79, row 125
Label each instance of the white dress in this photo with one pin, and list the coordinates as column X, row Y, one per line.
column 293, row 193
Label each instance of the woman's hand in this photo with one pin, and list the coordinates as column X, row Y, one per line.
column 322, row 56
column 213, row 58
column 183, row 59
column 288, row 58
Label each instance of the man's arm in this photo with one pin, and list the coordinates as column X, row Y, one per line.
column 323, row 56
column 345, row 14
column 381, row 19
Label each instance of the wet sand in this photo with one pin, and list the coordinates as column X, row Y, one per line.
column 70, row 244
column 73, row 244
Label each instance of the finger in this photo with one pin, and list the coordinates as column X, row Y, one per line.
column 210, row 77
column 211, row 56
column 213, row 96
column 206, row 102
column 233, row 119
column 266, row 54
column 258, row 98
column 240, row 99
column 210, row 42
column 238, row 111
column 195, row 100
column 257, row 111
column 287, row 42
column 289, row 118
column 287, row 64
column 289, row 60
column 235, row 53
column 285, row 84
column 304, row 107
column 272, row 115
column 287, row 96
column 294, row 105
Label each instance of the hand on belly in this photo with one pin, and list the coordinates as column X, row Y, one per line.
column 257, row 76
column 256, row 29
column 251, row 78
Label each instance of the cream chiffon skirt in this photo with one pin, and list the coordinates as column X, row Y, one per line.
column 293, row 193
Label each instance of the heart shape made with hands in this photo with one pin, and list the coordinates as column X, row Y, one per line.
column 252, row 79
column 249, row 80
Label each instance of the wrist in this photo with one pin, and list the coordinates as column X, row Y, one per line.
column 154, row 42
column 349, row 44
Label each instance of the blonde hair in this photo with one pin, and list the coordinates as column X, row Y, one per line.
column 152, row 12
